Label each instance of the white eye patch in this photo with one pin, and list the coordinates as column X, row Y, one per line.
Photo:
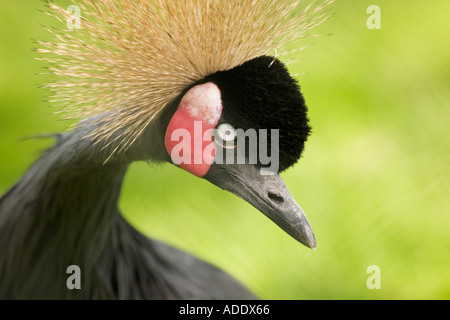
column 204, row 102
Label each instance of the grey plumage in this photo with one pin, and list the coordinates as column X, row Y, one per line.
column 64, row 212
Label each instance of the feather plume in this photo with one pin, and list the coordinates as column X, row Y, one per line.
column 129, row 59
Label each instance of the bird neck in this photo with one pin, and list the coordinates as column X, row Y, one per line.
column 77, row 182
column 70, row 193
column 64, row 211
column 69, row 190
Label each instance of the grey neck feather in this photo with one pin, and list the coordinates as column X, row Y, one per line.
column 64, row 211
column 69, row 194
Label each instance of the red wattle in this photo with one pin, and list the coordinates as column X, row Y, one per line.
column 189, row 136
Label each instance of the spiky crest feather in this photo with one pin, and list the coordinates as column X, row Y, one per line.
column 131, row 58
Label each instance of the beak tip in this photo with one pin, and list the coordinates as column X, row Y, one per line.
column 312, row 245
column 305, row 235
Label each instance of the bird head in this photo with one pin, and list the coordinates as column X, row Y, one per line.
column 197, row 81
column 239, row 129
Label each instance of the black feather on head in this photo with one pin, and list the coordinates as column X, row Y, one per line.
column 261, row 94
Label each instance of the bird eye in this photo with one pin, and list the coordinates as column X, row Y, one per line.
column 226, row 132
column 226, row 136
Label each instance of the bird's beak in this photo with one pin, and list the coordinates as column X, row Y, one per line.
column 268, row 194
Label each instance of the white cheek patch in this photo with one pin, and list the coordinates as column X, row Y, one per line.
column 204, row 102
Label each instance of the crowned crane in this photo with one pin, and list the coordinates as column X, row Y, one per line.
column 139, row 75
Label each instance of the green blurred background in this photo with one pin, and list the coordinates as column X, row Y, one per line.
column 374, row 179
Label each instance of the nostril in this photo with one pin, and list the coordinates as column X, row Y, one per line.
column 275, row 198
